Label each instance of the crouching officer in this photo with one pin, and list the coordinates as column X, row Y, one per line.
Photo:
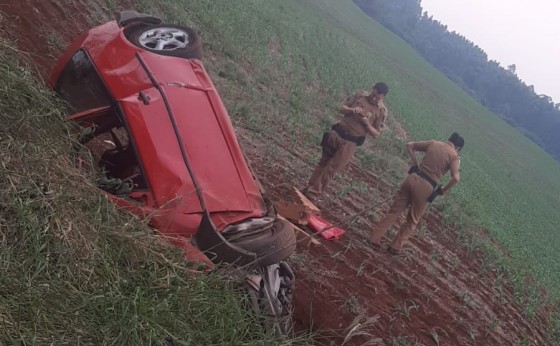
column 420, row 187
column 364, row 113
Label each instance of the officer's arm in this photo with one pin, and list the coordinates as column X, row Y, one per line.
column 347, row 106
column 412, row 153
column 344, row 109
column 412, row 147
column 370, row 129
column 379, row 122
column 455, row 176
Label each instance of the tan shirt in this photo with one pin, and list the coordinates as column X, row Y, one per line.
column 376, row 114
column 439, row 158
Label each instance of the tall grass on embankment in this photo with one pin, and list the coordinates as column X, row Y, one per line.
column 73, row 269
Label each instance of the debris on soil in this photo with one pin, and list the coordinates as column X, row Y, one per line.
column 324, row 228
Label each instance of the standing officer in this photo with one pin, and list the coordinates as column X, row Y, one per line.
column 421, row 185
column 363, row 114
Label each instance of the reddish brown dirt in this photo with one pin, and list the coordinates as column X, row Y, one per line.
column 434, row 290
column 435, row 293
column 43, row 28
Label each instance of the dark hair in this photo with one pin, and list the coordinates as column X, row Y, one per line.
column 457, row 140
column 381, row 88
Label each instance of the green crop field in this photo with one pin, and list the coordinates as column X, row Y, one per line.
column 312, row 53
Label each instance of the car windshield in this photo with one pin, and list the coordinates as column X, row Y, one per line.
column 81, row 86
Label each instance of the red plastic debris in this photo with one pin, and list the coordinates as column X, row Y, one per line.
column 325, row 228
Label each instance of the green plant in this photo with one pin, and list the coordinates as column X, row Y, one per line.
column 352, row 304
column 499, row 294
column 492, row 326
column 360, row 326
column 460, row 321
column 433, row 271
column 525, row 342
column 361, row 268
column 406, row 308
column 341, row 193
column 399, row 284
column 55, row 42
column 366, row 159
column 434, row 255
column 464, row 297
column 111, row 6
column 403, row 340
column 301, row 260
column 473, row 334
column 455, row 263
column 427, row 293
column 433, row 333
column 407, row 256
column 421, row 230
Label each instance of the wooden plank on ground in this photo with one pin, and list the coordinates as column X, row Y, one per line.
column 300, row 197
column 305, row 238
column 296, row 213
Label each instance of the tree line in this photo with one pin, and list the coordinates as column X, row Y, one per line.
column 499, row 89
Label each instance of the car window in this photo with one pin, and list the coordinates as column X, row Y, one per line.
column 80, row 85
column 112, row 151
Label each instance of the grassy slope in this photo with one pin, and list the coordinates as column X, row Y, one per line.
column 299, row 58
column 75, row 271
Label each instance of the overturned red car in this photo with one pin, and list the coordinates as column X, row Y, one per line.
column 162, row 141
column 162, row 145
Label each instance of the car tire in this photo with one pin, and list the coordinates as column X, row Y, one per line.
column 272, row 245
column 272, row 302
column 165, row 39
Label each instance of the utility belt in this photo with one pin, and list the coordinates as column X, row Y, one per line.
column 427, row 178
column 436, row 189
column 359, row 140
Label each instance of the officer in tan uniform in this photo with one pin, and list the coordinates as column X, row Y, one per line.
column 421, row 184
column 364, row 113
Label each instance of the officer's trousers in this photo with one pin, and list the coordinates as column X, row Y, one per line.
column 328, row 165
column 414, row 193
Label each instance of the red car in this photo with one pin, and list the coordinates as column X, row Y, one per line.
column 164, row 146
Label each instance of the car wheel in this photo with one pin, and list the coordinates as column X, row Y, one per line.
column 272, row 245
column 166, row 39
column 271, row 297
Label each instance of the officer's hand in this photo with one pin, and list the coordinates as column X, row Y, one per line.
column 357, row 110
column 364, row 121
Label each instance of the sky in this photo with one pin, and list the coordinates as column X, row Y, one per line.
column 524, row 33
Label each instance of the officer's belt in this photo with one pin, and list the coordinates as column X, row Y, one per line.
column 427, row 178
column 359, row 140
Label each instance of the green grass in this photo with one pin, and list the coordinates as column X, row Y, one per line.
column 76, row 271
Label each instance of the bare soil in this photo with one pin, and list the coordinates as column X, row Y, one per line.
column 435, row 293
